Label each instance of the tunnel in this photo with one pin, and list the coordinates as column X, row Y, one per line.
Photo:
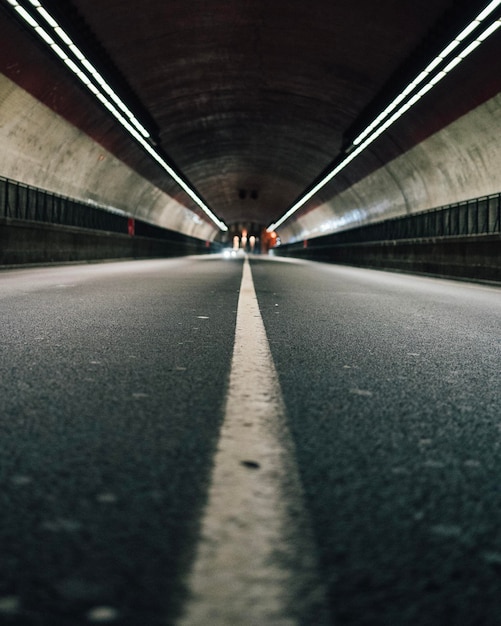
column 249, row 290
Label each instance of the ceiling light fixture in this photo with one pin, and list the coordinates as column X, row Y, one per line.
column 63, row 46
column 393, row 111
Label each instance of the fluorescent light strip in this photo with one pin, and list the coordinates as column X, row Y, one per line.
column 81, row 57
column 422, row 76
column 47, row 16
column 25, row 15
column 63, row 36
column 131, row 124
column 374, row 130
column 493, row 27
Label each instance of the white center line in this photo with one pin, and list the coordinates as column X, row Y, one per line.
column 256, row 562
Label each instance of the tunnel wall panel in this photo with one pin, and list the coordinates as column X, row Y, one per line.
column 42, row 149
column 461, row 161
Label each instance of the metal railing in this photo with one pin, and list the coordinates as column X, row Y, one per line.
column 23, row 202
column 480, row 216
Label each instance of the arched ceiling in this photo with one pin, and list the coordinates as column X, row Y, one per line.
column 251, row 99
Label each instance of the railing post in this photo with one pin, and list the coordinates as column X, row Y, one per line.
column 498, row 218
column 6, row 197
column 17, row 208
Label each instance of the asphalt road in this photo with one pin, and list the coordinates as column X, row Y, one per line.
column 393, row 391
column 113, row 379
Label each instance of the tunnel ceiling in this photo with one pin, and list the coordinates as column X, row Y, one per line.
column 253, row 99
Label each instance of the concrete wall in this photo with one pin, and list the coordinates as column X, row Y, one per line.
column 473, row 257
column 40, row 148
column 460, row 162
column 25, row 242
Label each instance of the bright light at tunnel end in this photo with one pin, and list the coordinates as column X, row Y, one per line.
column 62, row 46
column 425, row 81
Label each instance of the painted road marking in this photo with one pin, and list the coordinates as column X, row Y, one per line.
column 256, row 562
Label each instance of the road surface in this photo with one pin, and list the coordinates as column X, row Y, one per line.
column 368, row 451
